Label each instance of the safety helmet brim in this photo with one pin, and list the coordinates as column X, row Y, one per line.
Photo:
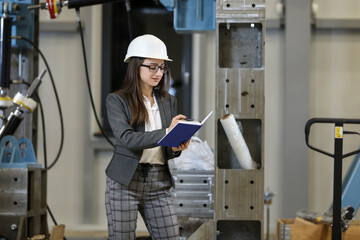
column 147, row 46
column 127, row 59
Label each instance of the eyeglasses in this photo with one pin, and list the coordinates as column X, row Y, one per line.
column 155, row 68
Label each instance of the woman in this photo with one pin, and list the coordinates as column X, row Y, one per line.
column 140, row 114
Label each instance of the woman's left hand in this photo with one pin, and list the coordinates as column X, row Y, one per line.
column 181, row 147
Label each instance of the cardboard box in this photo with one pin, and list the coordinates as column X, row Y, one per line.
column 300, row 229
column 353, row 233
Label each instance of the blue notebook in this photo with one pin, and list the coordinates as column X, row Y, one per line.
column 182, row 132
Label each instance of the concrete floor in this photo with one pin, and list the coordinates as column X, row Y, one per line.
column 100, row 238
column 271, row 237
column 98, row 235
column 83, row 238
column 102, row 235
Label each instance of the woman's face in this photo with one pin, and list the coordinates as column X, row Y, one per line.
column 151, row 78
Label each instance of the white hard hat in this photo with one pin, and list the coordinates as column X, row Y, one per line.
column 147, row 46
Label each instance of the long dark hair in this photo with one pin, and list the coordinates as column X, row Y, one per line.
column 131, row 90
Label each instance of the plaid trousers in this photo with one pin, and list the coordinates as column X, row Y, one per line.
column 149, row 194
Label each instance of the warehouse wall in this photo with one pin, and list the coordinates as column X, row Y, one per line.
column 333, row 92
column 62, row 49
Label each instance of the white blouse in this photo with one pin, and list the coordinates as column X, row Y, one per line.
column 152, row 155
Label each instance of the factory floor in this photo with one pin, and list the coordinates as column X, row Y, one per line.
column 272, row 237
column 98, row 235
column 140, row 236
column 100, row 238
column 83, row 238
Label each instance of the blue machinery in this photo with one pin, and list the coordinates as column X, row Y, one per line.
column 190, row 16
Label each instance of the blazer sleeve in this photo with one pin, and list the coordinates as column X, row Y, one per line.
column 173, row 106
column 125, row 135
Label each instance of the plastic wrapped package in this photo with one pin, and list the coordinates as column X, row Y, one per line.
column 198, row 156
column 237, row 141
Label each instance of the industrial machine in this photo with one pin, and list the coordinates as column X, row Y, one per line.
column 239, row 114
column 236, row 208
column 22, row 181
column 345, row 196
column 19, row 63
column 240, row 79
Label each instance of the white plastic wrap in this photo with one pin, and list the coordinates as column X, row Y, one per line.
column 198, row 156
column 237, row 141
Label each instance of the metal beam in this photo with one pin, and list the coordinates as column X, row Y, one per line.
column 349, row 24
column 322, row 23
column 296, row 107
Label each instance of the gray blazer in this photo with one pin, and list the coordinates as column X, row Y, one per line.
column 131, row 141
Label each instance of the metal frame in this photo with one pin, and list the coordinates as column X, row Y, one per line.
column 338, row 157
column 23, row 202
column 240, row 79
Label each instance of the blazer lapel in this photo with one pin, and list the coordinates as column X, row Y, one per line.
column 164, row 108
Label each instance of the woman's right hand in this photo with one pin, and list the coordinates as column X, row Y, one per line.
column 175, row 120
